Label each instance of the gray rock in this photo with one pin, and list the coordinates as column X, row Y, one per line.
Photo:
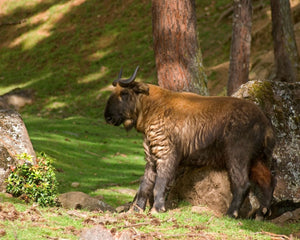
column 75, row 184
column 14, row 141
column 288, row 216
column 80, row 200
column 98, row 232
column 281, row 103
column 17, row 98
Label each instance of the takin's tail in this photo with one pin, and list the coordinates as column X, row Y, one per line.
column 261, row 174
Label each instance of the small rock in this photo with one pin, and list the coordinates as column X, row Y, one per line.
column 96, row 233
column 123, row 208
column 283, row 218
column 288, row 216
column 80, row 200
column 75, row 184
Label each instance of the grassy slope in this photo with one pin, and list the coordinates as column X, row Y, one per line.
column 69, row 52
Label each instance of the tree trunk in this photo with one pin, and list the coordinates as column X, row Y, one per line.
column 177, row 52
column 285, row 48
column 240, row 45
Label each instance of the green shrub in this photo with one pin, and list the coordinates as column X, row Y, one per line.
column 34, row 182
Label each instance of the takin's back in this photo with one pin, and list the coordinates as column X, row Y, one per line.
column 192, row 109
column 198, row 126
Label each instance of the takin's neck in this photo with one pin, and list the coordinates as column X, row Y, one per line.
column 148, row 106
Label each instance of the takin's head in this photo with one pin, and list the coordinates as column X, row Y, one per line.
column 121, row 106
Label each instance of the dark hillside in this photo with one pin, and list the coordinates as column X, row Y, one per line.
column 68, row 50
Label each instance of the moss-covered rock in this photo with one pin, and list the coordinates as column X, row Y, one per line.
column 281, row 103
column 14, row 142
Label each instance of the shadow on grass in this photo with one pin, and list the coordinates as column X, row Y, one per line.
column 89, row 152
column 268, row 228
column 68, row 50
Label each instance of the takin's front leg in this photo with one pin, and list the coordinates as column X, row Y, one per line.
column 165, row 173
column 145, row 191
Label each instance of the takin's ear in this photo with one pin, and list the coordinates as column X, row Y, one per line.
column 139, row 87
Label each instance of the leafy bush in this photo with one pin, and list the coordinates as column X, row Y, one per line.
column 34, row 182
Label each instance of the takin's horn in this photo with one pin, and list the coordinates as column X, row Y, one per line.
column 125, row 82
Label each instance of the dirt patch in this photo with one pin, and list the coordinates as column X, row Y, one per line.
column 10, row 213
column 127, row 225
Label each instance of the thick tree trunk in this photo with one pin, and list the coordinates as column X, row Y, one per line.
column 240, row 45
column 177, row 52
column 285, row 48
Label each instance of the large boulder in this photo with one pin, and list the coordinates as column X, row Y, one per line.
column 202, row 186
column 281, row 104
column 14, row 142
column 206, row 186
column 13, row 133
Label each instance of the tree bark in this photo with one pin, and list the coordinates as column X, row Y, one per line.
column 177, row 53
column 285, row 48
column 240, row 45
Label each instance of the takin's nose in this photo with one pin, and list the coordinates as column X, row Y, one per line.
column 108, row 119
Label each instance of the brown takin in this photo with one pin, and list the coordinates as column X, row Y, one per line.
column 188, row 129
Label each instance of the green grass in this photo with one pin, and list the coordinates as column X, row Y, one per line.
column 43, row 224
column 89, row 152
column 69, row 52
column 180, row 223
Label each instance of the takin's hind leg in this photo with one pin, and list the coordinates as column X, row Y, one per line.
column 262, row 176
column 238, row 171
column 240, row 186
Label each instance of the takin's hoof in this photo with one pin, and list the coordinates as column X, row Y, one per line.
column 154, row 210
column 233, row 214
column 262, row 213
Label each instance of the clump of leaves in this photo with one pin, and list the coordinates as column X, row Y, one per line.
column 34, row 182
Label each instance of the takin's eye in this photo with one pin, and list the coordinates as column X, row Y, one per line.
column 125, row 95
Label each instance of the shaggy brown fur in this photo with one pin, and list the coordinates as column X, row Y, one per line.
column 188, row 129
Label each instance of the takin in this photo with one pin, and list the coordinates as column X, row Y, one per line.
column 188, row 129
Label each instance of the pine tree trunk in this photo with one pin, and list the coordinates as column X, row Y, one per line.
column 177, row 52
column 285, row 48
column 240, row 45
